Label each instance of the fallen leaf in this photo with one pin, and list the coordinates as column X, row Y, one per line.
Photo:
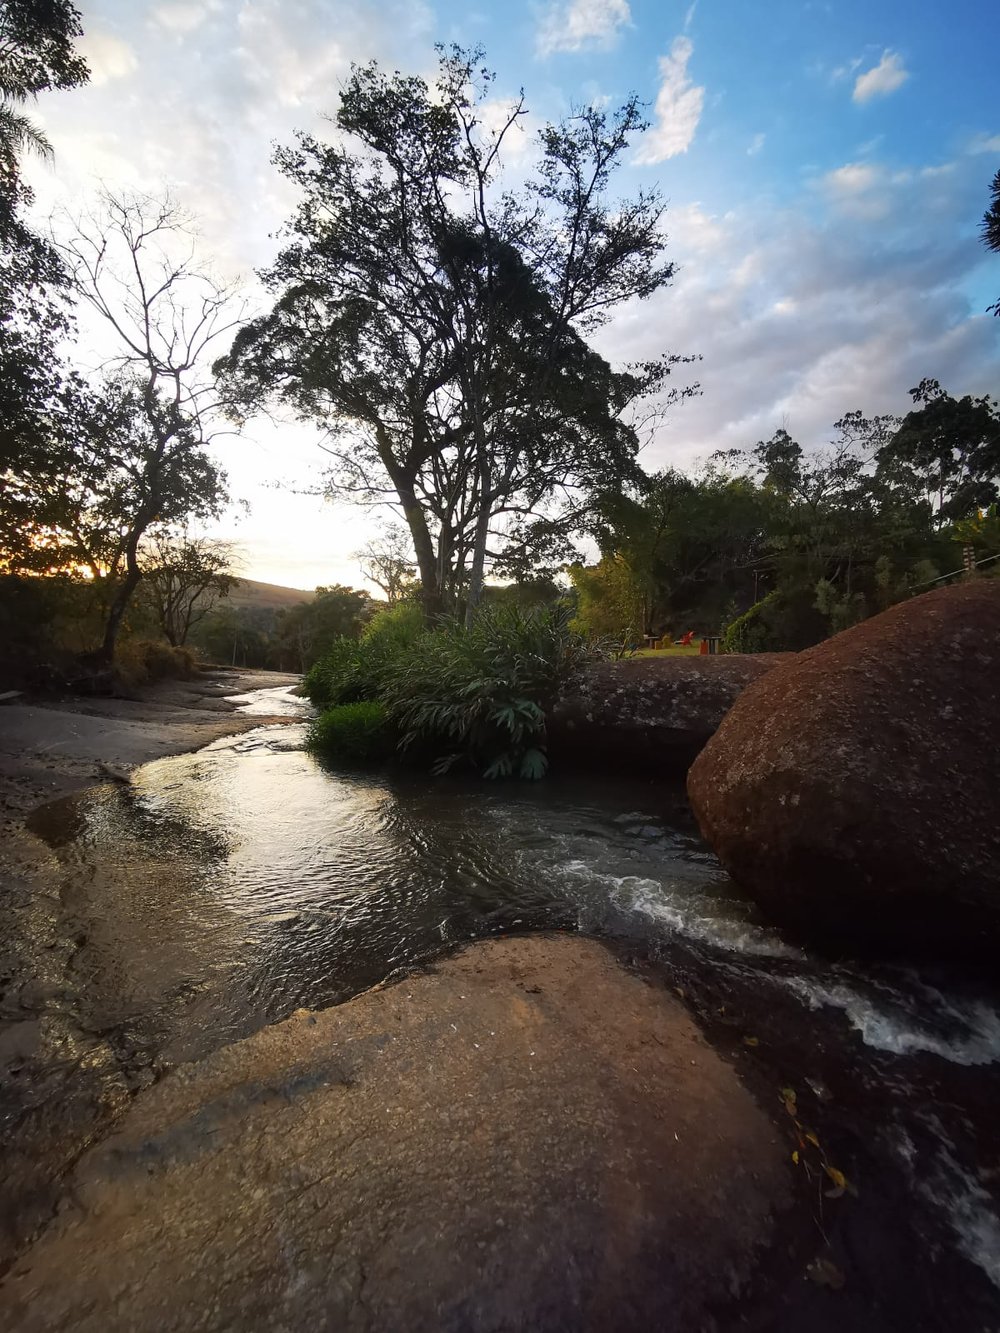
column 795, row 1156
column 838, row 1177
column 751, row 1041
column 813, row 1139
column 825, row 1273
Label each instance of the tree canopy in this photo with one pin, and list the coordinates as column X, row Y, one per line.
column 436, row 327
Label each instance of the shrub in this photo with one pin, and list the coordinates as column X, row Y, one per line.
column 480, row 695
column 787, row 620
column 749, row 633
column 142, row 661
column 356, row 733
column 356, row 669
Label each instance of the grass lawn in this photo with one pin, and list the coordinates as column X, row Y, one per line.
column 692, row 650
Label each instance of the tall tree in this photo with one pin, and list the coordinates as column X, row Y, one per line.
column 387, row 561
column 436, row 327
column 134, row 265
column 946, row 452
column 307, row 631
column 36, row 55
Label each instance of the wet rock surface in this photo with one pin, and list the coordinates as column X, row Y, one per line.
column 854, row 789
column 650, row 714
column 527, row 1137
column 65, row 1080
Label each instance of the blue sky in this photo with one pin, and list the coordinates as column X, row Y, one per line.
column 826, row 166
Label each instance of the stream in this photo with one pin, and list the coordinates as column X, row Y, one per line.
column 219, row 891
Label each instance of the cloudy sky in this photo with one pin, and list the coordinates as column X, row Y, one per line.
column 826, row 166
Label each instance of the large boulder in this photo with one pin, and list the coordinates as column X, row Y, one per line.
column 855, row 789
column 649, row 714
column 529, row 1137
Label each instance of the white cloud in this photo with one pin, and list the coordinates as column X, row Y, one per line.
column 756, row 144
column 678, row 107
column 107, row 55
column 858, row 189
column 804, row 314
column 181, row 17
column 884, row 78
column 582, row 23
column 689, row 16
column 984, row 143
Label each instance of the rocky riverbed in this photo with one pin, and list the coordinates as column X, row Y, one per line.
column 401, row 1160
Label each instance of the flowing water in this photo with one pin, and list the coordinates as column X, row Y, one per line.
column 224, row 889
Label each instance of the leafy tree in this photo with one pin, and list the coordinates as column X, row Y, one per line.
column 306, row 632
column 184, row 577
column 991, row 227
column 691, row 547
column 946, row 453
column 36, row 54
column 436, row 327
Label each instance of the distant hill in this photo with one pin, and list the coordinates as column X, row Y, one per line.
column 272, row 596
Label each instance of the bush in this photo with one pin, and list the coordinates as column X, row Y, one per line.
column 142, row 661
column 356, row 732
column 785, row 621
column 357, row 669
column 481, row 695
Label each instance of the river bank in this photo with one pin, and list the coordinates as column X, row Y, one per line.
column 64, row 1085
column 52, row 745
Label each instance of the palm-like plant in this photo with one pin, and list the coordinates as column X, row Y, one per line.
column 991, row 226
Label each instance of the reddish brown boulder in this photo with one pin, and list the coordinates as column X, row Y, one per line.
column 529, row 1137
column 855, row 789
column 650, row 714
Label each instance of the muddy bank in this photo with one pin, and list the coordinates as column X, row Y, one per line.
column 63, row 1085
column 525, row 1136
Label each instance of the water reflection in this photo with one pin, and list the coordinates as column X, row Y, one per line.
column 222, row 890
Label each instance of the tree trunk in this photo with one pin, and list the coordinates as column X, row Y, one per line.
column 430, row 592
column 106, row 653
column 119, row 604
column 477, row 573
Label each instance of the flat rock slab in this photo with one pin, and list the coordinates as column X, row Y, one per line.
column 650, row 714
column 528, row 1137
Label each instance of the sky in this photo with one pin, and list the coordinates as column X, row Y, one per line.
column 825, row 167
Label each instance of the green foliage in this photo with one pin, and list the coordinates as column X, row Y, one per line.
column 308, row 632
column 609, row 599
column 480, row 695
column 355, row 733
column 355, row 669
column 749, row 632
column 786, row 620
column 36, row 55
column 439, row 320
column 991, row 228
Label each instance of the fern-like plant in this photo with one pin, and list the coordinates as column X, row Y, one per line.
column 480, row 695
